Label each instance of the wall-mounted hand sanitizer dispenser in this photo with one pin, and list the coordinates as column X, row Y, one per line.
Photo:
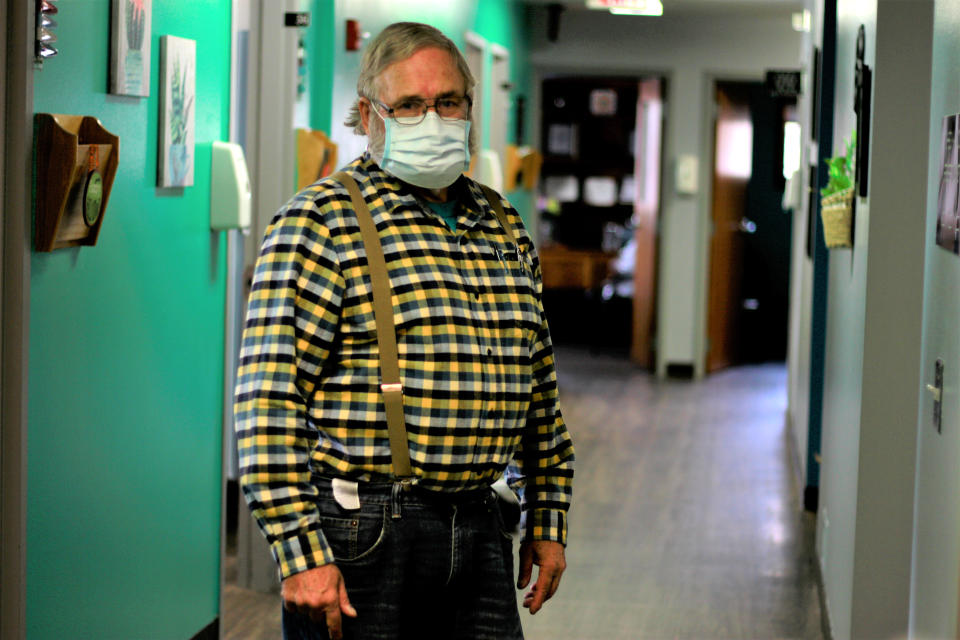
column 230, row 199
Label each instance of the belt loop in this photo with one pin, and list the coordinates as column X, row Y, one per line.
column 395, row 500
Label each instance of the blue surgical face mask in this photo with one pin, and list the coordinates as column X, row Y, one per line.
column 431, row 154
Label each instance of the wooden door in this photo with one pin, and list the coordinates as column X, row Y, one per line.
column 732, row 166
column 645, row 216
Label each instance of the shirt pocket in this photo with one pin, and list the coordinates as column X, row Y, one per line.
column 515, row 302
column 515, row 293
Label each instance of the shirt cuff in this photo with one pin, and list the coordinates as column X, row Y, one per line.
column 546, row 524
column 299, row 553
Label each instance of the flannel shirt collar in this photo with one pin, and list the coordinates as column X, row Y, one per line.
column 398, row 197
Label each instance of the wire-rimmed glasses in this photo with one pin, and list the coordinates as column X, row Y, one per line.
column 412, row 111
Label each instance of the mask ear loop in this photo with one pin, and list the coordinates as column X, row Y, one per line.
column 386, row 126
column 466, row 144
column 386, row 136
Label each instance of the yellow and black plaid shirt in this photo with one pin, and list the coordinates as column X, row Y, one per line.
column 476, row 360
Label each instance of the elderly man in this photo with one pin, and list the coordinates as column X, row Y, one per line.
column 365, row 550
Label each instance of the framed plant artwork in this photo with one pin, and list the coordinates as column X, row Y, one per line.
column 130, row 47
column 178, row 64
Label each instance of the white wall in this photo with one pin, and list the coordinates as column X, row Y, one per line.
column 843, row 364
column 690, row 51
column 937, row 524
column 874, row 329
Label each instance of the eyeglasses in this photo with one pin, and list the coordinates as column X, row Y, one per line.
column 414, row 110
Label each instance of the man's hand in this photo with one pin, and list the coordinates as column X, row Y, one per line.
column 320, row 594
column 549, row 557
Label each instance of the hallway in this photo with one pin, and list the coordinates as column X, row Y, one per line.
column 686, row 522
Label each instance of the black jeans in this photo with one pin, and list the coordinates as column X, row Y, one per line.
column 419, row 566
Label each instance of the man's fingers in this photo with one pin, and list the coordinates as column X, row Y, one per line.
column 334, row 622
column 321, row 595
column 526, row 566
column 548, row 581
column 554, row 582
column 345, row 605
column 541, row 589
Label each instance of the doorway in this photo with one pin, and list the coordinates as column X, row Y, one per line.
column 599, row 210
column 750, row 241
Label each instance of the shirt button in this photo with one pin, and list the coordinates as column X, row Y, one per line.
column 489, row 351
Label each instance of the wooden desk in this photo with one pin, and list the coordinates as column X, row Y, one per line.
column 565, row 268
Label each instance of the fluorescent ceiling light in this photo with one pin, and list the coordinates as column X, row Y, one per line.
column 654, row 8
column 628, row 7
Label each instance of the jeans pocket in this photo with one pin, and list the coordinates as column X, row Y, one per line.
column 354, row 537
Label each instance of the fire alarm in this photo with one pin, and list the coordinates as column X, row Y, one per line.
column 353, row 35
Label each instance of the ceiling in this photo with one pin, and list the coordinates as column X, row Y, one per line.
column 693, row 6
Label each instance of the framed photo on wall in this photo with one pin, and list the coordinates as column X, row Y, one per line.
column 178, row 65
column 130, row 47
column 948, row 197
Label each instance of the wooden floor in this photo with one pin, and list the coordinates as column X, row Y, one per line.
column 686, row 521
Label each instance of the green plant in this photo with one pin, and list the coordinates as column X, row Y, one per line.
column 180, row 104
column 842, row 169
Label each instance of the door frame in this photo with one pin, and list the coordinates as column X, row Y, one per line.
column 269, row 142
column 499, row 97
column 475, row 52
column 16, row 161
column 643, row 347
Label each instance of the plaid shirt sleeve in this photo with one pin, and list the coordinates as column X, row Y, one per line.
column 545, row 454
column 292, row 317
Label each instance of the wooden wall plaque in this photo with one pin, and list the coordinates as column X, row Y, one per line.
column 76, row 163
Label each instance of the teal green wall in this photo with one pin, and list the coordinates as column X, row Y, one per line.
column 320, row 39
column 126, row 362
column 506, row 22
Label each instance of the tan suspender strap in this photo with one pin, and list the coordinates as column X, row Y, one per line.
column 386, row 331
column 494, row 199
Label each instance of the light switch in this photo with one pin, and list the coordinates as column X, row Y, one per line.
column 686, row 174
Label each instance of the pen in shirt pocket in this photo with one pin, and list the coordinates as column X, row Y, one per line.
column 522, row 259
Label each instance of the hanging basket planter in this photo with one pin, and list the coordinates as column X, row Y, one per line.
column 837, row 214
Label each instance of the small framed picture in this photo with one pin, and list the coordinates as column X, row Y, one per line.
column 603, row 102
column 178, row 64
column 130, row 47
column 562, row 140
column 948, row 198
